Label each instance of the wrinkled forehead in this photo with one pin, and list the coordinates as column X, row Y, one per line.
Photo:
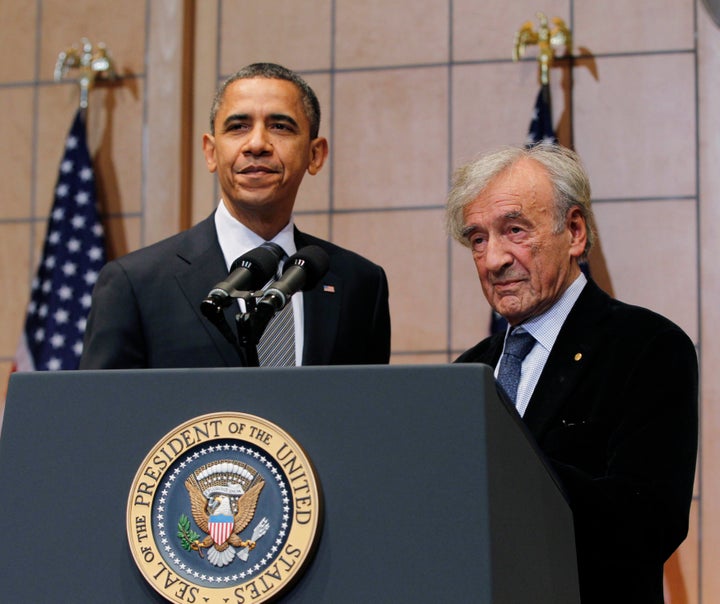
column 518, row 189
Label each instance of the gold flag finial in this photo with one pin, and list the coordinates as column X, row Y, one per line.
column 92, row 63
column 548, row 40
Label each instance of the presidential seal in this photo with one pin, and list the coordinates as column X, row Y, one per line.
column 225, row 508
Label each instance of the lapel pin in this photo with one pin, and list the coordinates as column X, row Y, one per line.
column 330, row 289
column 578, row 356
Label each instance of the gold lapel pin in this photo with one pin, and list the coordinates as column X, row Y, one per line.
column 578, row 356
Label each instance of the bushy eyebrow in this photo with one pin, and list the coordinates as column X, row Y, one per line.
column 470, row 229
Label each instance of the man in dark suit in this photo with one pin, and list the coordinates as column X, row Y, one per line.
column 145, row 312
column 608, row 390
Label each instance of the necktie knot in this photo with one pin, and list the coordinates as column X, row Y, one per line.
column 517, row 347
column 277, row 250
column 274, row 247
column 519, row 344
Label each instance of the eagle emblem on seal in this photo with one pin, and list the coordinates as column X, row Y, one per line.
column 223, row 498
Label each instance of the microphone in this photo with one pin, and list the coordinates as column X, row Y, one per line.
column 250, row 271
column 301, row 272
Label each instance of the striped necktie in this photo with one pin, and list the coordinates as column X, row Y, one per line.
column 277, row 344
column 517, row 347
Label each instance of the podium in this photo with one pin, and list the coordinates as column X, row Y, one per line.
column 432, row 489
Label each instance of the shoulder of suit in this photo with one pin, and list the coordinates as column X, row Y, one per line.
column 484, row 351
column 194, row 240
column 336, row 252
column 616, row 316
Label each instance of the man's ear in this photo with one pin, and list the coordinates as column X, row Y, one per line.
column 209, row 152
column 577, row 228
column 318, row 154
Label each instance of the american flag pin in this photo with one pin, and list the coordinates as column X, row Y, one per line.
column 330, row 289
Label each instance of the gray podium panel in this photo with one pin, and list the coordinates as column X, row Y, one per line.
column 432, row 490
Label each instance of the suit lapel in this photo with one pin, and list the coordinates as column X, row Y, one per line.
column 322, row 317
column 203, row 265
column 492, row 355
column 321, row 312
column 571, row 354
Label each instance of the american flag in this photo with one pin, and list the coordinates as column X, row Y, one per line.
column 540, row 131
column 73, row 254
column 541, row 125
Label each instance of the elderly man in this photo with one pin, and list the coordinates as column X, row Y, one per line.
column 608, row 390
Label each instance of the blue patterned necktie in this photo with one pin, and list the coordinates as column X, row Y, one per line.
column 276, row 347
column 517, row 347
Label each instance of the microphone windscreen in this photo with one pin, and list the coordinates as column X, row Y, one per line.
column 314, row 260
column 262, row 262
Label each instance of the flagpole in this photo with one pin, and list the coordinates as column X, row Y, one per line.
column 548, row 41
column 541, row 129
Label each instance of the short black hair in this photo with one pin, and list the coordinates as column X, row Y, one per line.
column 272, row 71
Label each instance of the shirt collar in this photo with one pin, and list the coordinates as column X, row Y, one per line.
column 546, row 326
column 236, row 239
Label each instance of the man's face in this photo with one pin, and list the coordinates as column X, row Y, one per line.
column 262, row 148
column 523, row 265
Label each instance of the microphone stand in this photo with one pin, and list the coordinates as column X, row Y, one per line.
column 251, row 325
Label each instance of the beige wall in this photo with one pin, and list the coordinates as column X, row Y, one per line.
column 409, row 90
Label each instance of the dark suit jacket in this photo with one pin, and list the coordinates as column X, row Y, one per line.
column 615, row 412
column 146, row 308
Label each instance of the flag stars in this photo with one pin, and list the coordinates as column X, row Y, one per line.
column 61, row 192
column 61, row 316
column 65, row 292
column 57, row 340
column 90, row 277
column 78, row 222
column 82, row 198
column 86, row 174
column 95, row 253
column 78, row 348
column 69, row 269
column 73, row 245
column 66, row 166
column 54, row 364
